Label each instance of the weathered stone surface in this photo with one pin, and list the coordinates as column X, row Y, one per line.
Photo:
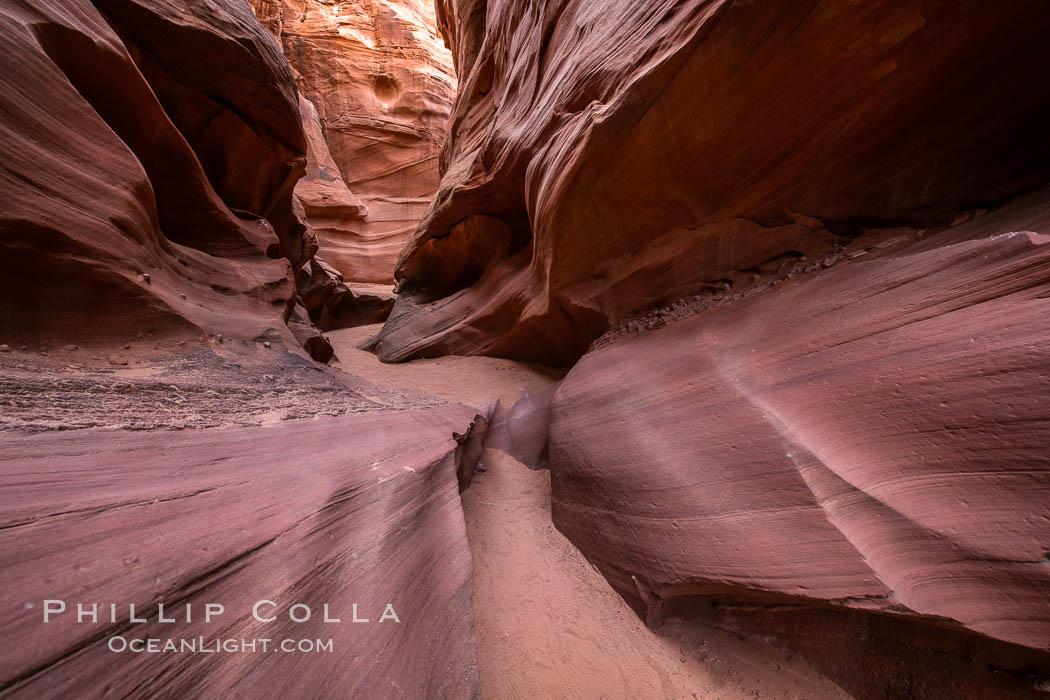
column 309, row 336
column 334, row 303
column 798, row 423
column 521, row 429
column 637, row 150
column 326, row 200
column 382, row 84
column 150, row 150
column 222, row 516
column 870, row 436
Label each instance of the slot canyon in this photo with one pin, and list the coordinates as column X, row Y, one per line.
column 616, row 349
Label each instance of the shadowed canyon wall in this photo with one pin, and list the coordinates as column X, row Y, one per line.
column 605, row 157
column 380, row 84
column 149, row 152
column 818, row 388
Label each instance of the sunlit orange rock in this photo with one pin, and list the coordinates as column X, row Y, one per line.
column 381, row 83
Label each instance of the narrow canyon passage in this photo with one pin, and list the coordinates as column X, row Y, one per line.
column 284, row 285
column 547, row 624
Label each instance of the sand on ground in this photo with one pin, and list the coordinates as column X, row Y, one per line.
column 469, row 380
column 547, row 624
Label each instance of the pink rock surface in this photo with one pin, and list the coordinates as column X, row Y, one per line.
column 150, row 150
column 871, row 436
column 628, row 152
column 521, row 429
column 286, row 513
column 382, row 84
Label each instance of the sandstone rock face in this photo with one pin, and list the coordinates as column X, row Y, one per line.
column 149, row 153
column 870, row 437
column 381, row 83
column 323, row 199
column 222, row 517
column 604, row 157
column 334, row 303
column 327, row 202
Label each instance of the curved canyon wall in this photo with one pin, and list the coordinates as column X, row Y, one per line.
column 149, row 152
column 606, row 157
column 813, row 362
column 868, row 436
column 379, row 86
column 797, row 253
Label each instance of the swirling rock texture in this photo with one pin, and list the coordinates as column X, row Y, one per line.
column 149, row 153
column 607, row 156
column 381, row 83
column 862, row 437
column 870, row 436
column 217, row 517
column 799, row 253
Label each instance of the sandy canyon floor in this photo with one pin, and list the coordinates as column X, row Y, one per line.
column 548, row 625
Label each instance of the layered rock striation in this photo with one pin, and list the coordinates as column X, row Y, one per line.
column 821, row 385
column 149, row 152
column 814, row 406
column 847, row 461
column 870, row 436
column 380, row 84
column 221, row 518
column 605, row 157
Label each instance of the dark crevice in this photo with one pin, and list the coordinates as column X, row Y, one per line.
column 188, row 212
column 903, row 657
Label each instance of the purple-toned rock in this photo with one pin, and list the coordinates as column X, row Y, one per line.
column 348, row 518
column 869, row 437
